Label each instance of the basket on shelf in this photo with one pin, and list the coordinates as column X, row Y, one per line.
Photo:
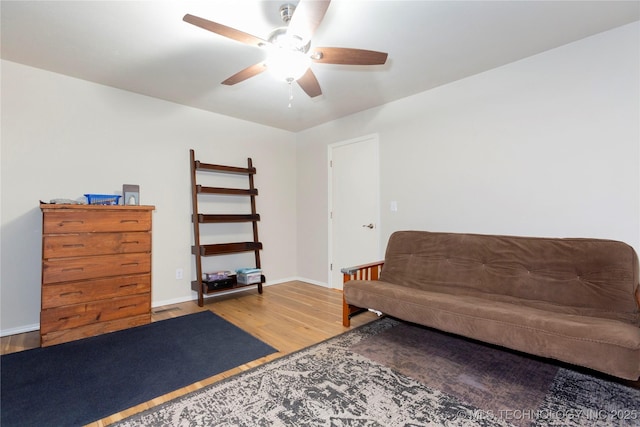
column 248, row 276
column 102, row 199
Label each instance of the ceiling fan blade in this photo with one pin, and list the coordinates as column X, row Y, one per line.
column 225, row 31
column 243, row 75
column 348, row 56
column 309, row 84
column 307, row 17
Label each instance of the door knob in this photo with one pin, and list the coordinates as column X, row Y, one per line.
column 368, row 225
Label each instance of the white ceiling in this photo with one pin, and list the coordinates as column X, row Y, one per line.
column 145, row 47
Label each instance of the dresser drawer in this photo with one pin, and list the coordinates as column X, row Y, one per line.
column 73, row 316
column 95, row 221
column 82, row 268
column 66, row 335
column 70, row 245
column 55, row 295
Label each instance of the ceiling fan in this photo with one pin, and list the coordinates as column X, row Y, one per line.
column 289, row 48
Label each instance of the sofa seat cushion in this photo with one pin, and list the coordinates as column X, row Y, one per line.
column 460, row 289
column 603, row 344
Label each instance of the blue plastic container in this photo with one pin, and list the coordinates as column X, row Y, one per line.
column 103, row 199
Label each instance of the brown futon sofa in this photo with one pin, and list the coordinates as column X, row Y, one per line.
column 574, row 300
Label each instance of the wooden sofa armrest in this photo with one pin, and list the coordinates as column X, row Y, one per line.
column 369, row 271
column 355, row 272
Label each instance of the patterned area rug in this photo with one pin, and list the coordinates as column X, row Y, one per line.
column 486, row 377
column 389, row 373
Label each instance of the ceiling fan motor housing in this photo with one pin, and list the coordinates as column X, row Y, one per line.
column 286, row 12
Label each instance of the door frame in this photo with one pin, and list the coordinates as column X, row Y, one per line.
column 376, row 140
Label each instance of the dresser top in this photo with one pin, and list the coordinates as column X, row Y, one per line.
column 59, row 207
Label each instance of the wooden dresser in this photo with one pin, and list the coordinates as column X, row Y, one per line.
column 96, row 270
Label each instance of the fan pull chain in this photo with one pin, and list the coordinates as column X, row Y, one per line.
column 290, row 80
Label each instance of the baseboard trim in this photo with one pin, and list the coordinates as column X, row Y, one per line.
column 311, row 281
column 19, row 330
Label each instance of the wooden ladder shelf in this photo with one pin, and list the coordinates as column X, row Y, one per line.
column 204, row 250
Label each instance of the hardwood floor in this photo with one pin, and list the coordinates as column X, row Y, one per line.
column 288, row 316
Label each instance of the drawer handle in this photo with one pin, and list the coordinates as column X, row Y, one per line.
column 61, row 319
column 127, row 306
column 79, row 221
column 122, row 221
column 132, row 242
column 65, row 270
column 129, row 264
column 66, row 294
column 129, row 285
column 75, row 245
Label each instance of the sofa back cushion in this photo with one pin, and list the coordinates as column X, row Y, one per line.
column 592, row 274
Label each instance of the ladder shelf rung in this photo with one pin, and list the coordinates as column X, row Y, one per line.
column 229, row 191
column 227, row 248
column 213, row 218
column 222, row 168
column 212, row 287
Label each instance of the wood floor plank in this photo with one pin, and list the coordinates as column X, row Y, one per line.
column 288, row 316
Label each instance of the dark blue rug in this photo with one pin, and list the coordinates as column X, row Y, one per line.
column 83, row 381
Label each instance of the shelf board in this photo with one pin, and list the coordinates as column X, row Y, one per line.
column 208, row 289
column 221, row 168
column 229, row 191
column 227, row 248
column 218, row 218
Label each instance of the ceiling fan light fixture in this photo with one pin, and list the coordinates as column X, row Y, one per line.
column 280, row 38
column 287, row 55
column 286, row 64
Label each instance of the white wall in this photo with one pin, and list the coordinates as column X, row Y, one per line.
column 63, row 137
column 546, row 146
